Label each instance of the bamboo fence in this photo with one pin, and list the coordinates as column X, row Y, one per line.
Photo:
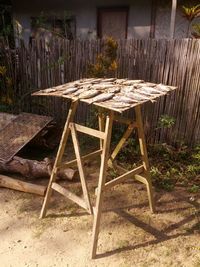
column 175, row 62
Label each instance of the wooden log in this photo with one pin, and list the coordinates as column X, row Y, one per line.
column 8, row 182
column 34, row 169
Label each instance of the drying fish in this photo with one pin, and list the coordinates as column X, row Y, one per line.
column 102, row 86
column 163, row 87
column 49, row 90
column 102, row 97
column 139, row 85
column 109, row 80
column 89, row 94
column 124, row 99
column 127, row 89
column 137, row 97
column 131, row 82
column 79, row 91
column 118, row 105
column 113, row 90
column 142, row 92
column 120, row 81
column 148, row 84
column 70, row 90
column 149, row 91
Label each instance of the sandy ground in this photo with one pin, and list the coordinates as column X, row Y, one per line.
column 130, row 235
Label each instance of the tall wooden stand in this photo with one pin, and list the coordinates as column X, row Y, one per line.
column 141, row 173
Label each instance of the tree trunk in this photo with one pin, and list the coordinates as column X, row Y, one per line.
column 34, row 169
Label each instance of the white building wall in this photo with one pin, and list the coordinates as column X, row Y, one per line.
column 162, row 28
column 139, row 19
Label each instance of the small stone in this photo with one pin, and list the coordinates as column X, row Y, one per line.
column 18, row 241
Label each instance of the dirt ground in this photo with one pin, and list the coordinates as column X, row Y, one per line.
column 130, row 235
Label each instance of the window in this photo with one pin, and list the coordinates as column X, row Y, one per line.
column 44, row 26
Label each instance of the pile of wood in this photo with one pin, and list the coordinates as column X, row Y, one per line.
column 30, row 169
column 27, row 168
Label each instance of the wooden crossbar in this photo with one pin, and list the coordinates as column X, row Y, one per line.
column 63, row 191
column 124, row 176
column 121, row 143
column 124, row 120
column 88, row 131
column 73, row 162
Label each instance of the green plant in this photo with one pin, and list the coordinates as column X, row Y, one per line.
column 194, row 189
column 165, row 121
column 196, row 30
column 190, row 13
column 106, row 62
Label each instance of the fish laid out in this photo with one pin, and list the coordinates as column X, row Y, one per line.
column 79, row 91
column 127, row 89
column 118, row 104
column 120, row 81
column 49, row 90
column 108, row 80
column 114, row 93
column 113, row 90
column 89, row 94
column 163, row 87
column 70, row 90
column 142, row 92
column 132, row 82
column 148, row 84
column 151, row 90
column 102, row 97
column 137, row 96
column 103, row 86
column 124, row 99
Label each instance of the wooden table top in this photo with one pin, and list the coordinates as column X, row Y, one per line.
column 123, row 94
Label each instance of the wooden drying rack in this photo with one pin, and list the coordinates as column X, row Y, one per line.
column 140, row 173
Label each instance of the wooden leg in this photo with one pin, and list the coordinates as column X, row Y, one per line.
column 145, row 160
column 101, row 126
column 60, row 153
column 102, row 179
column 80, row 168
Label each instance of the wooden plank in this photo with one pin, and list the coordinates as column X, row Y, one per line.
column 65, row 192
column 87, row 130
column 59, row 156
column 141, row 179
column 81, row 168
column 73, row 162
column 12, row 183
column 124, row 120
column 101, row 120
column 101, row 183
column 144, row 155
column 124, row 176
